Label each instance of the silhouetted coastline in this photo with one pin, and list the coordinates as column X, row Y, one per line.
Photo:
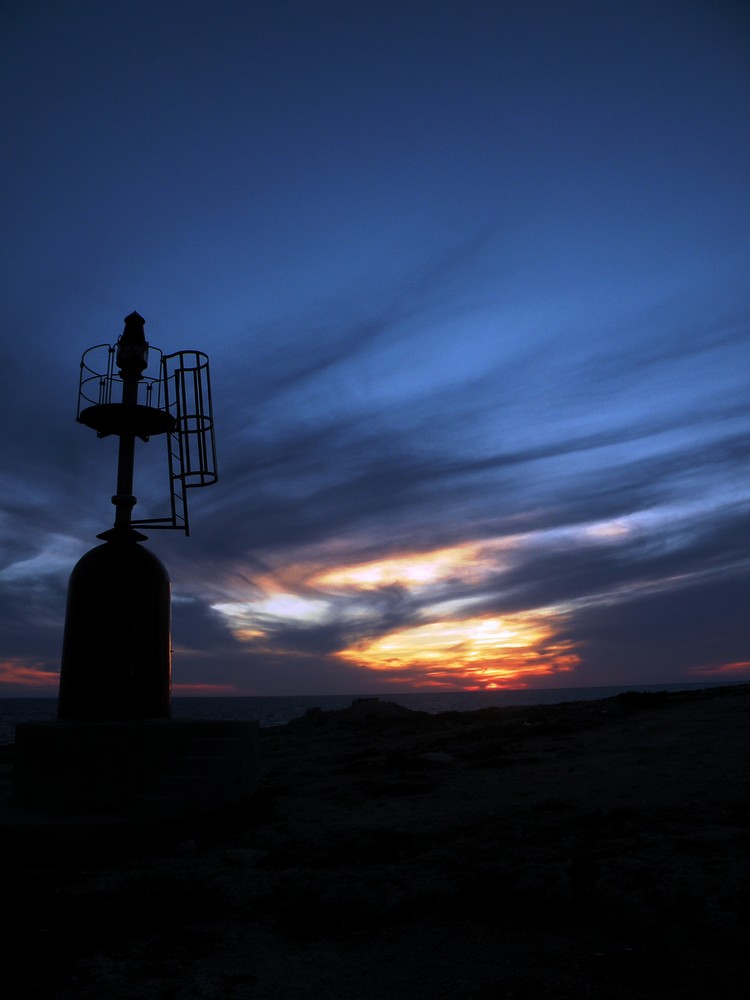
column 591, row 848
column 270, row 710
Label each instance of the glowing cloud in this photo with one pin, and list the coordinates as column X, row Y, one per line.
column 247, row 616
column 739, row 668
column 467, row 563
column 32, row 676
column 479, row 652
column 443, row 644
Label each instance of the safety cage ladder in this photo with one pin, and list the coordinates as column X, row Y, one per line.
column 191, row 445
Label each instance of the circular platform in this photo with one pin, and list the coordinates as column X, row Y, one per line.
column 125, row 418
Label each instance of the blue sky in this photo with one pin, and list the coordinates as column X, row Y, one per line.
column 473, row 281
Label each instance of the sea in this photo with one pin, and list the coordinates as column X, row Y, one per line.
column 277, row 711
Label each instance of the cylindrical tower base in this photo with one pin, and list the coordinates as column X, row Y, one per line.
column 117, row 658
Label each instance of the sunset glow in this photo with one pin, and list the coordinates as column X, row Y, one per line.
column 440, row 641
column 444, row 647
column 23, row 675
column 488, row 652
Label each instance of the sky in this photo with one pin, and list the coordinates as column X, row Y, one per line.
column 473, row 280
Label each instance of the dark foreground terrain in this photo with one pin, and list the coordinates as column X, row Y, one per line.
column 586, row 850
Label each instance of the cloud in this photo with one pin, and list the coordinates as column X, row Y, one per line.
column 20, row 678
column 739, row 670
column 197, row 627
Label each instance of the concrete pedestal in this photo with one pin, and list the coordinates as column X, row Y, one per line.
column 141, row 769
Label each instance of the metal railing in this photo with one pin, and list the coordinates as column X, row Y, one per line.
column 183, row 391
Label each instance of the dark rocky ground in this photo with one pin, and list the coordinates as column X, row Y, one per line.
column 585, row 850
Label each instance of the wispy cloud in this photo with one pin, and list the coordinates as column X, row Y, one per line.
column 19, row 677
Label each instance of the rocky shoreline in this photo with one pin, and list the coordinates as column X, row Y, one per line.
column 589, row 849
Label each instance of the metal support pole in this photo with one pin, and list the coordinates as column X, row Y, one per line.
column 123, row 500
column 132, row 359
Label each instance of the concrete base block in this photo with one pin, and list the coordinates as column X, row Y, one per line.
column 142, row 769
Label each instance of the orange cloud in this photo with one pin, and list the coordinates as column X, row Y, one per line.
column 34, row 676
column 451, row 648
column 206, row 690
column 731, row 669
column 483, row 652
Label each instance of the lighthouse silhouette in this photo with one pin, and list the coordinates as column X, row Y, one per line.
column 113, row 757
column 116, row 659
